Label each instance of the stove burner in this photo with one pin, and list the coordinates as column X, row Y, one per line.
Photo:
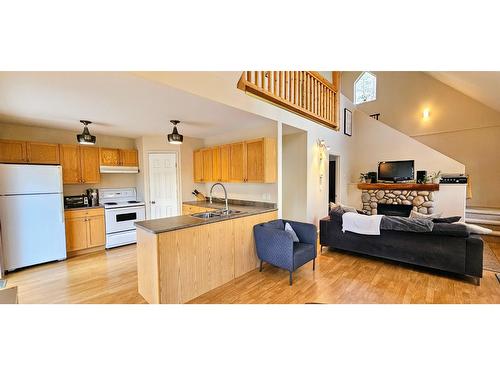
column 111, row 204
column 133, row 202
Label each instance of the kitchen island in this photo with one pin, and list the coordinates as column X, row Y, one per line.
column 182, row 257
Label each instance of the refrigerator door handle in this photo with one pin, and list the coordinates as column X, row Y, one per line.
column 62, row 209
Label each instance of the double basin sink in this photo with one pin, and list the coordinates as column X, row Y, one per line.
column 214, row 214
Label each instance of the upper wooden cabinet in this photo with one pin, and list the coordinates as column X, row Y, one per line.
column 225, row 165
column 248, row 161
column 13, row 151
column 129, row 158
column 198, row 165
column 109, row 156
column 28, row 152
column 237, row 162
column 207, row 164
column 113, row 157
column 80, row 164
column 89, row 159
column 43, row 153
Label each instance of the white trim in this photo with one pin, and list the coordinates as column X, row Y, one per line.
column 178, row 177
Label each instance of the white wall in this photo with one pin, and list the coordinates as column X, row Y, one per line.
column 294, row 180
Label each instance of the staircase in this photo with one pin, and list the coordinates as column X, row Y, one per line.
column 486, row 217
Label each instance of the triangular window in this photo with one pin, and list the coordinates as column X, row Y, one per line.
column 365, row 88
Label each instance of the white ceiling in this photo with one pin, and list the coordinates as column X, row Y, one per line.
column 119, row 104
column 482, row 86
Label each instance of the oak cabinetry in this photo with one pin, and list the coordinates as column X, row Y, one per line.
column 224, row 163
column 80, row 164
column 207, row 164
column 113, row 157
column 129, row 158
column 12, row 151
column 237, row 162
column 109, row 156
column 198, row 165
column 248, row 161
column 85, row 230
column 42, row 153
column 216, row 164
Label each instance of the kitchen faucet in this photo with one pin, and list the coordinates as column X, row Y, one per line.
column 225, row 195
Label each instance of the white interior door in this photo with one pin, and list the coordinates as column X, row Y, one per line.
column 163, row 194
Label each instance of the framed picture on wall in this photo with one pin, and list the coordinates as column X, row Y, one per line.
column 347, row 122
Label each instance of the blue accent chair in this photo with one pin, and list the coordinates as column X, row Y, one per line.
column 275, row 245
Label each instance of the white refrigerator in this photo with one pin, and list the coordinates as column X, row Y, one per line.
column 31, row 215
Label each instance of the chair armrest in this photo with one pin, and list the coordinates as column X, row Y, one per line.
column 274, row 246
column 307, row 233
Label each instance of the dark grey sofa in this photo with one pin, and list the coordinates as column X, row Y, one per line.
column 449, row 247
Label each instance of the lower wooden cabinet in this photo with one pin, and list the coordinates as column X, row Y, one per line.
column 85, row 230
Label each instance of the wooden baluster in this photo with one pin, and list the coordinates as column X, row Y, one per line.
column 262, row 78
column 275, row 86
column 302, row 89
column 296, row 87
column 256, row 78
column 269, row 81
column 307, row 91
column 280, row 84
column 249, row 76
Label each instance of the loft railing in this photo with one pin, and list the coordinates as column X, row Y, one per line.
column 306, row 93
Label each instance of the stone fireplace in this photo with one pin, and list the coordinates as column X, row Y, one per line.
column 419, row 196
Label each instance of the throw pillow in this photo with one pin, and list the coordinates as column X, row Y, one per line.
column 290, row 230
column 449, row 220
column 336, row 209
column 348, row 208
column 475, row 229
column 418, row 215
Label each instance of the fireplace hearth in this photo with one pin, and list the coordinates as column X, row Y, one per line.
column 394, row 209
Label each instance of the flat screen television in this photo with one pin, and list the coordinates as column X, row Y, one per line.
column 395, row 171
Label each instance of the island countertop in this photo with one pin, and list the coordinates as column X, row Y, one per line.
column 168, row 224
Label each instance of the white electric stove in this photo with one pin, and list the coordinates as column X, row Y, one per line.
column 121, row 209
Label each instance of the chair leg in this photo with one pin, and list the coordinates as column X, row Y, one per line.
column 290, row 278
column 260, row 268
column 314, row 264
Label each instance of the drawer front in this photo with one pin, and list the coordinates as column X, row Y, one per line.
column 73, row 214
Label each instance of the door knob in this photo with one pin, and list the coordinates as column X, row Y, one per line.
column 153, row 202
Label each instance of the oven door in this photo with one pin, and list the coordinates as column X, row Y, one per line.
column 122, row 219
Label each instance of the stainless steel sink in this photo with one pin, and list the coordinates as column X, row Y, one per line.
column 212, row 214
column 207, row 215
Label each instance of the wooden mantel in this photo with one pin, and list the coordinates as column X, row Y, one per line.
column 382, row 186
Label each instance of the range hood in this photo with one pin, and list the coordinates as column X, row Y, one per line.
column 118, row 169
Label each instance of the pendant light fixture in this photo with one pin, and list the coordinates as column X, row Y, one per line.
column 175, row 138
column 86, row 138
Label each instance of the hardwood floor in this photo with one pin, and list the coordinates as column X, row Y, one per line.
column 111, row 277
column 102, row 277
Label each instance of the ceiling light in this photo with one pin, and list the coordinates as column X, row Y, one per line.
column 175, row 138
column 86, row 138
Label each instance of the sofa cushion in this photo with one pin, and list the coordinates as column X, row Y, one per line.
column 303, row 253
column 447, row 229
column 449, row 220
column 406, row 224
column 275, row 224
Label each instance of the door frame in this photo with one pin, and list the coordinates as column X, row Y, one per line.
column 178, row 177
column 337, row 178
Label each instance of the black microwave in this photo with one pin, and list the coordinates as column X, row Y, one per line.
column 75, row 201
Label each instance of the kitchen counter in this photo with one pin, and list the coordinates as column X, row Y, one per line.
column 83, row 208
column 168, row 224
column 180, row 258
